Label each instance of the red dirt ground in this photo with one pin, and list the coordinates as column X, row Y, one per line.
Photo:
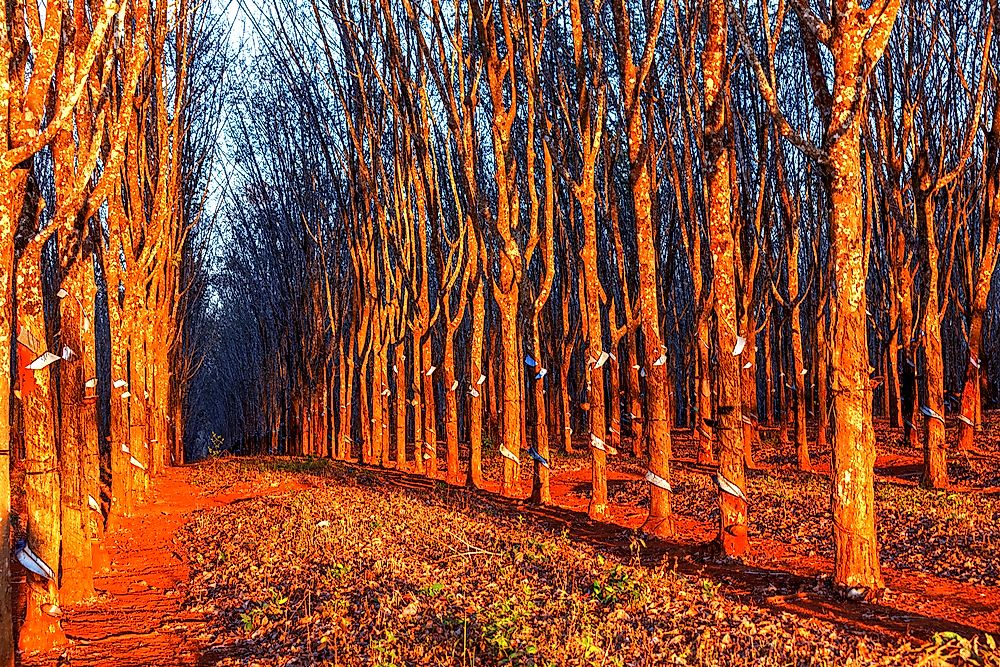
column 914, row 604
column 139, row 620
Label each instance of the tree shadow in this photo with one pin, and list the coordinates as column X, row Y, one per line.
column 777, row 589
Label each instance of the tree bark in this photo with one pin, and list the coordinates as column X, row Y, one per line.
column 41, row 629
column 935, row 459
column 77, row 582
column 598, row 506
column 732, row 472
column 475, row 403
column 853, row 499
column 9, row 207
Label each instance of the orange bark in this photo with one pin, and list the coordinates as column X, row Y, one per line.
column 732, row 501
column 41, row 628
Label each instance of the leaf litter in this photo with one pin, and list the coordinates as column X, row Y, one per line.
column 355, row 572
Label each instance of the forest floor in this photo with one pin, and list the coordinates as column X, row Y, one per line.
column 280, row 561
column 141, row 617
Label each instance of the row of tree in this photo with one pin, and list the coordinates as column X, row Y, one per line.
column 455, row 222
column 98, row 262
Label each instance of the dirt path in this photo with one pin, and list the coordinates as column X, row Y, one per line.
column 137, row 620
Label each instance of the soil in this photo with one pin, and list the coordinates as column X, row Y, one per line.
column 138, row 618
column 146, row 613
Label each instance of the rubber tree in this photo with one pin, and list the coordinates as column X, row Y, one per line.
column 731, row 476
column 856, row 38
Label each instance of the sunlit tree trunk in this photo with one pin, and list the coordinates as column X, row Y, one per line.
column 340, row 405
column 614, row 390
column 798, row 365
column 909, row 403
column 732, row 472
column 41, row 628
column 430, row 421
column 451, row 409
column 137, row 403
column 703, row 385
column 892, row 360
column 748, row 387
column 657, row 420
column 420, row 454
column 982, row 283
column 379, row 415
column 540, row 491
column 510, row 437
column 504, row 96
column 935, row 464
column 634, row 395
column 856, row 562
column 10, row 198
column 386, row 446
column 541, row 212
column 399, row 400
column 326, row 412
column 476, row 400
column 595, row 348
column 122, row 501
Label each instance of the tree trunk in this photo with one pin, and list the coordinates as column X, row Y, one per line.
column 347, row 410
column 41, row 629
column 342, row 398
column 615, row 401
column 399, row 387
column 122, row 494
column 511, row 435
column 768, row 367
column 703, row 382
column 892, row 362
column 971, row 410
column 327, row 414
column 935, row 461
column 732, row 473
column 634, row 396
column 822, row 382
column 382, row 425
column 595, row 348
column 748, row 386
column 853, row 499
column 430, row 423
column 454, row 475
column 660, row 520
column 798, row 363
column 540, row 492
column 799, row 370
column 420, row 454
column 77, row 582
column 8, row 200
column 365, row 414
column 136, row 406
column 566, row 361
column 475, row 478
